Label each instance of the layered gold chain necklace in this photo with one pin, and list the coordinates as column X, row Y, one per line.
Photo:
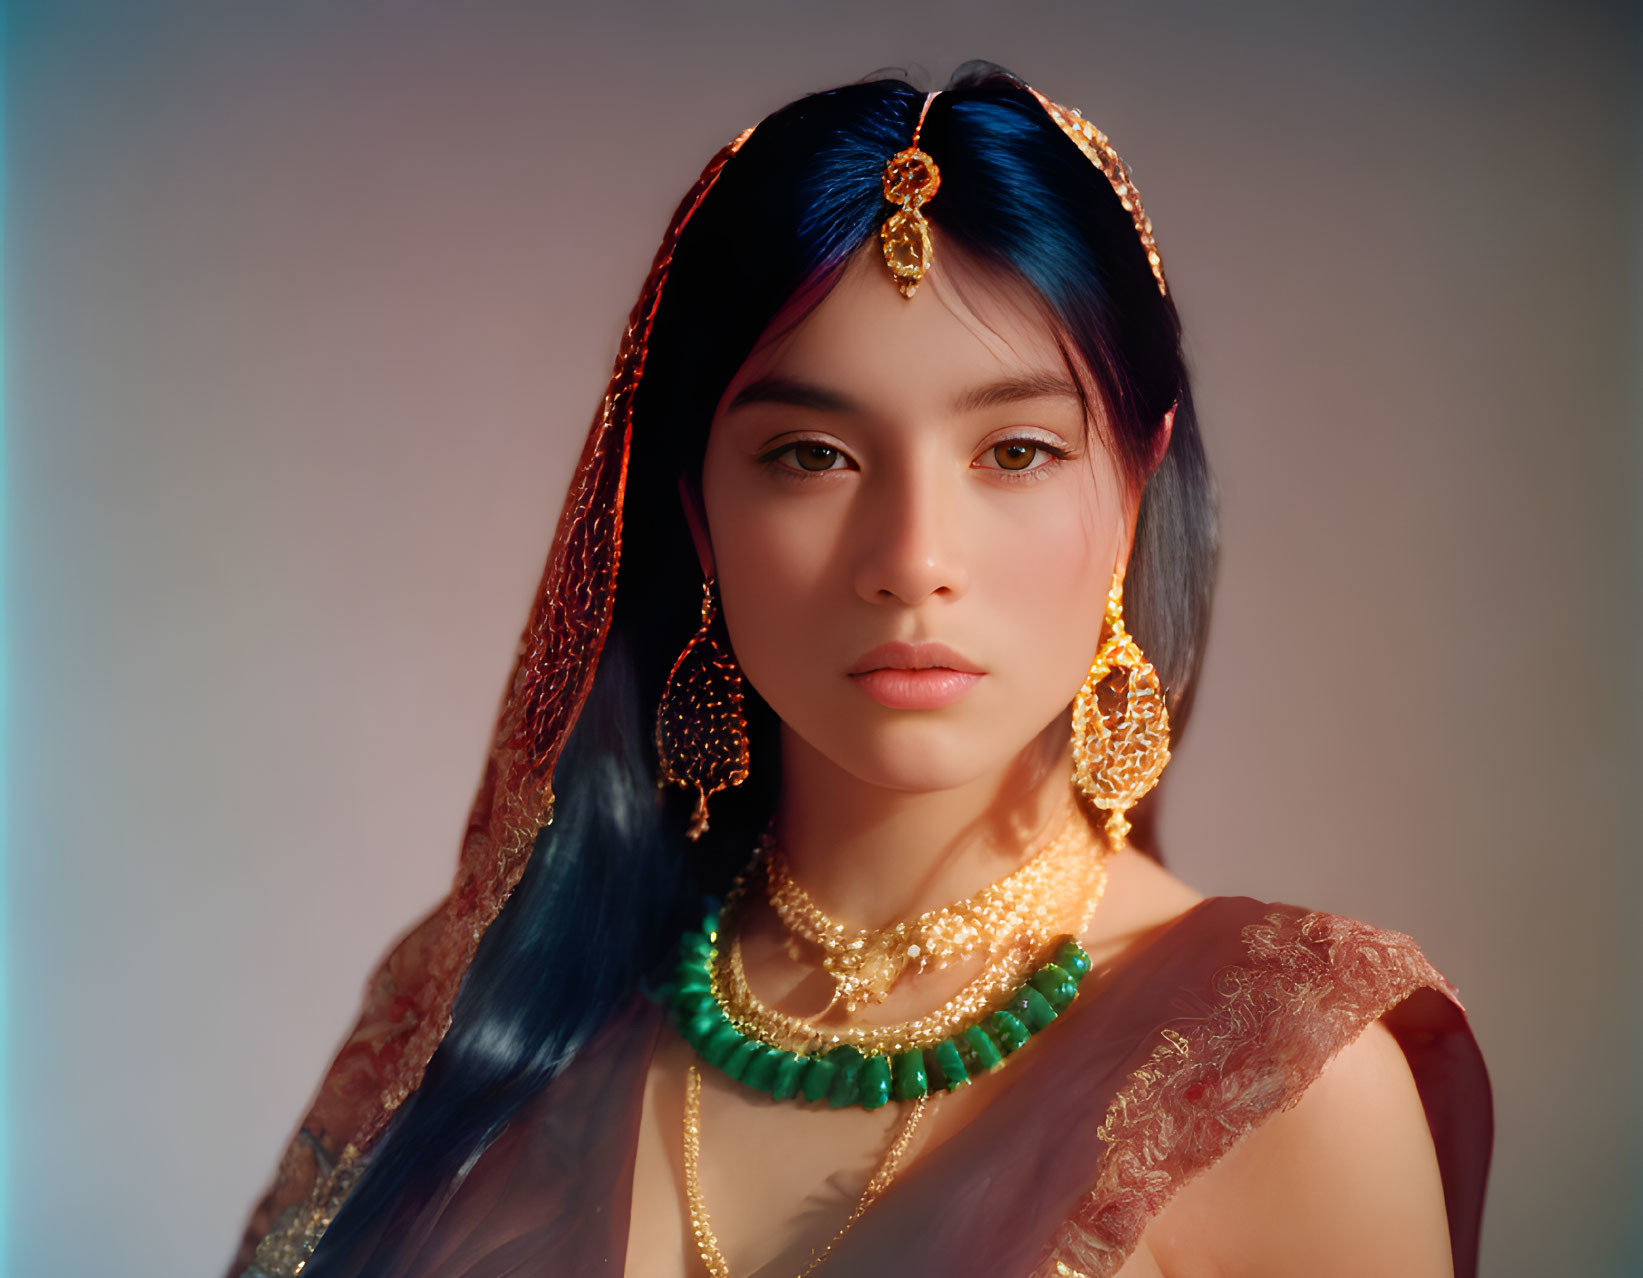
column 772, row 1051
column 1013, row 919
column 754, row 1017
column 865, row 963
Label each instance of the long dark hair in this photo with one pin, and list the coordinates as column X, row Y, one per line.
column 612, row 881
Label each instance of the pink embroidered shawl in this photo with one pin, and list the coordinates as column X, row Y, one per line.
column 1218, row 1021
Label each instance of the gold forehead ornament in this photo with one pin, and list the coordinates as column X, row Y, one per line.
column 911, row 178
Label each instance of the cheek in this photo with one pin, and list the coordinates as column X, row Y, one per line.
column 1044, row 562
column 779, row 587
column 1044, row 568
column 780, row 553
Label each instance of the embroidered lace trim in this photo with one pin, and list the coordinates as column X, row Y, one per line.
column 1313, row 982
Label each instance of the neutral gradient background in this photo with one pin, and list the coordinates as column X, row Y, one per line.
column 309, row 308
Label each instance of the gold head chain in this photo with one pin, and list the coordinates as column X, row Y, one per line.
column 911, row 178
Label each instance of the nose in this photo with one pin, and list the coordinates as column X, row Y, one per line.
column 910, row 535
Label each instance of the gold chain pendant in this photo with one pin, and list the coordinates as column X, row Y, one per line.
column 755, row 1018
column 707, row 1243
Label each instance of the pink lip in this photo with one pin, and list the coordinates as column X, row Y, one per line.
column 914, row 656
column 916, row 689
column 915, row 676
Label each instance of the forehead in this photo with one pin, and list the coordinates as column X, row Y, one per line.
column 962, row 327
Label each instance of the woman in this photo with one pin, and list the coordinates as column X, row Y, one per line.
column 901, row 430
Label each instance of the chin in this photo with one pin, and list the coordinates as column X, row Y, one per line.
column 918, row 757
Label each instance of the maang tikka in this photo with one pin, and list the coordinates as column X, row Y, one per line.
column 1116, row 762
column 701, row 731
column 910, row 179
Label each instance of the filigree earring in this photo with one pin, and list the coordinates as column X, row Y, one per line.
column 701, row 732
column 1119, row 752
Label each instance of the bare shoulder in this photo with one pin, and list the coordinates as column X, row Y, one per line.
column 1345, row 1182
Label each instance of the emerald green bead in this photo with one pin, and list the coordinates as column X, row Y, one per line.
column 875, row 1082
column 911, row 1080
column 1072, row 958
column 1035, row 1008
column 847, row 1061
column 1011, row 1032
column 720, row 1042
column 951, row 1065
column 761, row 1070
column 1055, row 983
column 846, row 1088
column 690, row 977
column 697, row 1029
column 789, row 1071
column 741, row 1056
column 984, row 1047
column 818, row 1078
column 695, row 947
column 689, row 1004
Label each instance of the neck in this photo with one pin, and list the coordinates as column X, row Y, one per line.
column 869, row 856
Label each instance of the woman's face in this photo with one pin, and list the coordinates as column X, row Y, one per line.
column 912, row 471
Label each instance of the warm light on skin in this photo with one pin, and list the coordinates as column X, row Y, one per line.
column 916, row 528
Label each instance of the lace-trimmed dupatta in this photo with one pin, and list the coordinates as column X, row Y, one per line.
column 408, row 1000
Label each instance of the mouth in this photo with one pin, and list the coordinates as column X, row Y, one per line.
column 921, row 676
column 929, row 655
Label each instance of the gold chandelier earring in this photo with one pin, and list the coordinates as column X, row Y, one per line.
column 701, row 732
column 1120, row 733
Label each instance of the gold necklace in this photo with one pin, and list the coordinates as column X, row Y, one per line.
column 752, row 1016
column 707, row 1243
column 866, row 963
column 1011, row 965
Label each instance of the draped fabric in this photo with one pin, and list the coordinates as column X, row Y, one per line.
column 1171, row 1054
column 408, row 999
column 1222, row 1021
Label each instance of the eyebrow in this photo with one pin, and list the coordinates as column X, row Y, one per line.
column 1011, row 390
column 776, row 389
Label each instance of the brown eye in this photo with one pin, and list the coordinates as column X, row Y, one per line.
column 1015, row 455
column 815, row 456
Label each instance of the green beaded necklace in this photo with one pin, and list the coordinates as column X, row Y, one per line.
column 844, row 1075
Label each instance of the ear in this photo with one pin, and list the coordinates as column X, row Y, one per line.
column 691, row 500
column 1161, row 444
